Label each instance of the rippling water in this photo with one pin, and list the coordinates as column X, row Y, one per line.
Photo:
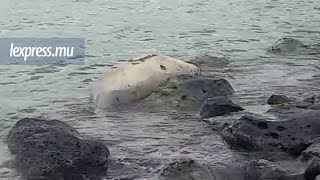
column 117, row 30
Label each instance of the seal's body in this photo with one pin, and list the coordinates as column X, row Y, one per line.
column 136, row 79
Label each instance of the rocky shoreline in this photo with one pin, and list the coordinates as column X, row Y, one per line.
column 54, row 150
column 285, row 147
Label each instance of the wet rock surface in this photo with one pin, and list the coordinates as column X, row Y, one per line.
column 314, row 99
column 286, row 45
column 208, row 61
column 53, row 150
column 265, row 169
column 185, row 170
column 219, row 106
column 293, row 134
column 292, row 46
column 283, row 146
column 191, row 170
column 189, row 92
column 260, row 169
column 278, row 99
column 202, row 87
column 311, row 152
column 294, row 106
column 312, row 169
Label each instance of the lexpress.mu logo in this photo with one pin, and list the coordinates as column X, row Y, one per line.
column 40, row 51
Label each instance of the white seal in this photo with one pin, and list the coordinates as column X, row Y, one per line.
column 136, row 79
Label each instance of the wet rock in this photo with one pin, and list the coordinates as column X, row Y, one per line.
column 313, row 169
column 218, row 123
column 294, row 107
column 202, row 87
column 219, row 106
column 208, row 61
column 53, row 150
column 185, row 170
column 286, row 46
column 286, row 110
column 252, row 170
column 191, row 170
column 188, row 92
column 278, row 99
column 312, row 151
column 263, row 169
column 127, row 168
column 315, row 99
column 292, row 135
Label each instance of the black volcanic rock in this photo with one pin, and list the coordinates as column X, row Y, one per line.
column 185, row 170
column 195, row 170
column 278, row 99
column 209, row 61
column 53, row 150
column 285, row 108
column 263, row 169
column 260, row 169
column 219, row 106
column 313, row 169
column 187, row 92
column 311, row 152
column 293, row 134
column 201, row 87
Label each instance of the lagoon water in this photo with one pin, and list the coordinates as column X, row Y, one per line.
column 241, row 30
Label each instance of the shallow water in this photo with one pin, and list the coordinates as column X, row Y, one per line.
column 117, row 30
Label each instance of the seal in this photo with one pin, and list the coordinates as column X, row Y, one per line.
column 136, row 79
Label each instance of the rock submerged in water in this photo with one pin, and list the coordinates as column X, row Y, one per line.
column 53, row 150
column 218, row 106
column 263, row 169
column 293, row 107
column 286, row 46
column 185, row 170
column 293, row 134
column 315, row 99
column 278, row 99
column 195, row 170
column 260, row 169
column 208, row 61
column 283, row 147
